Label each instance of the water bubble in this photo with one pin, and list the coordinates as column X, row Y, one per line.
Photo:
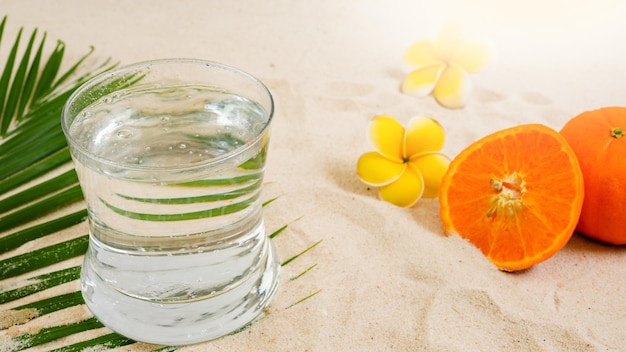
column 170, row 148
column 148, row 149
column 165, row 119
column 124, row 133
column 182, row 146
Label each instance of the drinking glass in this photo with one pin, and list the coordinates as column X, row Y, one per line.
column 170, row 155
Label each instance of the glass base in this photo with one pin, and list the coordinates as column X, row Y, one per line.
column 182, row 323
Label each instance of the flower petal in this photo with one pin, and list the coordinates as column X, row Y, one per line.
column 387, row 135
column 406, row 190
column 423, row 134
column 449, row 38
column 376, row 170
column 421, row 53
column 433, row 167
column 471, row 56
column 453, row 87
column 421, row 82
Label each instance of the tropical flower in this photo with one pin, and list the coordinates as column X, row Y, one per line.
column 407, row 163
column 442, row 66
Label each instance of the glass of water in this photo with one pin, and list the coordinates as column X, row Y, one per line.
column 170, row 156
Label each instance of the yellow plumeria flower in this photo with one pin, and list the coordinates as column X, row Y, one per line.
column 407, row 164
column 442, row 66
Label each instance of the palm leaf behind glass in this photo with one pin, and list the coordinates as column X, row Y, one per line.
column 34, row 85
column 33, row 90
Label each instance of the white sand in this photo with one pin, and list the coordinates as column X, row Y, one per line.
column 389, row 279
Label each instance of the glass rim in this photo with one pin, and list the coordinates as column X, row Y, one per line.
column 135, row 67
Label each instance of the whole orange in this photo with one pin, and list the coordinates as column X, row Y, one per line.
column 597, row 138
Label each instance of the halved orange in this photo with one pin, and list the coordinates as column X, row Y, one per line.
column 515, row 194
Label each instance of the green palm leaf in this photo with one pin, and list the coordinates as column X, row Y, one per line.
column 33, row 89
column 34, row 85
